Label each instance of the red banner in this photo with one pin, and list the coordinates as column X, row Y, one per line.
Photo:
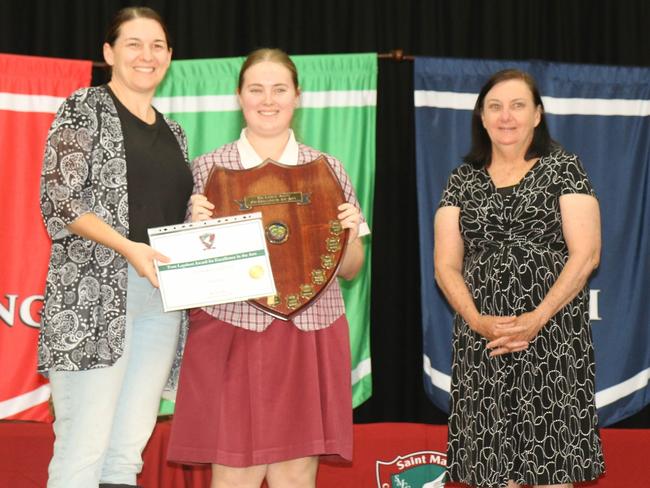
column 31, row 90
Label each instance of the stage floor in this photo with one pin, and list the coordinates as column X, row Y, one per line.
column 384, row 454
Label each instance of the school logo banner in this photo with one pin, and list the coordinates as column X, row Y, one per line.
column 422, row 469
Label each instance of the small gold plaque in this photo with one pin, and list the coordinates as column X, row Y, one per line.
column 251, row 201
column 273, row 301
column 327, row 261
column 335, row 227
column 293, row 301
column 318, row 276
column 306, row 291
column 333, row 244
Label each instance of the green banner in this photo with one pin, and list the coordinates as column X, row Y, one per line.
column 336, row 115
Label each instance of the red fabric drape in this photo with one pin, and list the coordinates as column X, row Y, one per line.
column 31, row 89
column 26, row 448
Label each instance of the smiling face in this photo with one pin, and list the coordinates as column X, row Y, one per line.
column 510, row 115
column 140, row 55
column 268, row 98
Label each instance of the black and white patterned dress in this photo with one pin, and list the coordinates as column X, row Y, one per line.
column 528, row 416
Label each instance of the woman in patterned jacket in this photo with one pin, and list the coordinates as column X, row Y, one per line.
column 261, row 397
column 113, row 167
column 517, row 235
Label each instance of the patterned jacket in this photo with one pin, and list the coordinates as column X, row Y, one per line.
column 84, row 170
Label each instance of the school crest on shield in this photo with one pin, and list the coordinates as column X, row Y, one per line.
column 423, row 469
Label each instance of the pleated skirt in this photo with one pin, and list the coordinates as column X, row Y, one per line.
column 247, row 398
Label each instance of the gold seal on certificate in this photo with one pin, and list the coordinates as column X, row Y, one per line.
column 256, row 272
column 213, row 261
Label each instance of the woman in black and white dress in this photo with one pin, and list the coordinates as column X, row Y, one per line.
column 517, row 235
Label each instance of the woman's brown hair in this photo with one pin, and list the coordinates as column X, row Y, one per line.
column 542, row 144
column 130, row 13
column 268, row 54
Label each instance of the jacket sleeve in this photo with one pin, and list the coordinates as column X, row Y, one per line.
column 66, row 191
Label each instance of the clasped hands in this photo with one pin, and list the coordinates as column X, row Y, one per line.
column 508, row 334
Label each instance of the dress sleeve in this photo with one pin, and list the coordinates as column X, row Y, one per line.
column 451, row 193
column 66, row 192
column 574, row 178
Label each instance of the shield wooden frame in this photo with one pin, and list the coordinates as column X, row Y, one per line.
column 299, row 206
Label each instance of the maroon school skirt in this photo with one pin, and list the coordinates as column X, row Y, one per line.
column 248, row 398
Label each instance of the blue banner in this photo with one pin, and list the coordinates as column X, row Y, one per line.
column 601, row 113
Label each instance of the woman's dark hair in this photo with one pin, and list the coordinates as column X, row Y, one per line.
column 480, row 153
column 130, row 13
column 268, row 54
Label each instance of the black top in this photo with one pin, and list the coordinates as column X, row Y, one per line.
column 159, row 181
column 506, row 190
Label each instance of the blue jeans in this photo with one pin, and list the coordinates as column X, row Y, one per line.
column 104, row 417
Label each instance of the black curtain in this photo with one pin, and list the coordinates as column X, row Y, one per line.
column 608, row 32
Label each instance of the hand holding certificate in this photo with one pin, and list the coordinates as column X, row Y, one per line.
column 213, row 261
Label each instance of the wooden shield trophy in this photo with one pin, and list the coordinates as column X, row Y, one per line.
column 299, row 211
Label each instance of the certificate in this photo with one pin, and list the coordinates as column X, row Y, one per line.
column 213, row 261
